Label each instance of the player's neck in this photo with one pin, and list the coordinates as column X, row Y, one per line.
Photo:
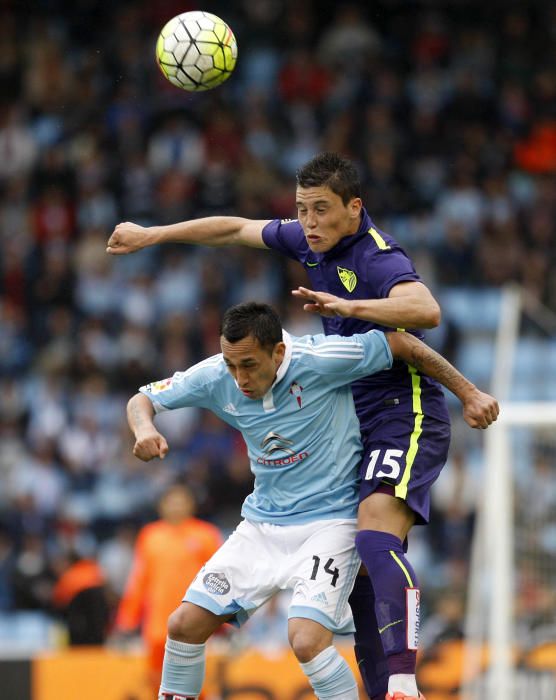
column 354, row 228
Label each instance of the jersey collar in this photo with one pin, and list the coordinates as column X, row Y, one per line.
column 286, row 337
column 346, row 242
column 268, row 398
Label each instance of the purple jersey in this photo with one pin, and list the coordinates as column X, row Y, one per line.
column 365, row 265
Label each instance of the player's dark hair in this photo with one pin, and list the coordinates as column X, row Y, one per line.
column 331, row 170
column 258, row 320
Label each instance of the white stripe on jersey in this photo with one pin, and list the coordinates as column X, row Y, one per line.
column 328, row 349
column 348, row 353
column 328, row 344
column 213, row 361
column 178, row 377
column 329, row 356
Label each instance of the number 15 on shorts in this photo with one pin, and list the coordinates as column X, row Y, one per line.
column 387, row 462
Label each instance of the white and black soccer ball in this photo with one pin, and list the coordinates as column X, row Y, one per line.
column 196, row 51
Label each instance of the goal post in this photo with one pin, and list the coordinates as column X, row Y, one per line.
column 493, row 632
column 491, row 616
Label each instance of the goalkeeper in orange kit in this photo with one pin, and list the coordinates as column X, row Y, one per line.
column 168, row 554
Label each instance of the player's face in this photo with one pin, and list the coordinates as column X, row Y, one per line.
column 176, row 505
column 252, row 366
column 325, row 218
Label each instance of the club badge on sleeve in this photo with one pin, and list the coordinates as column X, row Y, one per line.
column 160, row 386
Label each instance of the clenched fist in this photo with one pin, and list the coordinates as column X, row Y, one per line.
column 127, row 238
column 150, row 444
column 480, row 409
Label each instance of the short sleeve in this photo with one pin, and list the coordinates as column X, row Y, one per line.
column 285, row 236
column 390, row 267
column 189, row 388
column 340, row 360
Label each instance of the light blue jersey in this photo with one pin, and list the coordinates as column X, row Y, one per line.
column 303, row 436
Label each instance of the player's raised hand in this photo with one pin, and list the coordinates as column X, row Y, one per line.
column 480, row 409
column 127, row 238
column 322, row 303
column 150, row 444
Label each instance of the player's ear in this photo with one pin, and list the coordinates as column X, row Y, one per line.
column 279, row 351
column 355, row 207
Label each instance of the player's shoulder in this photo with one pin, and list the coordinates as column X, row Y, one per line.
column 377, row 242
column 208, row 370
column 302, row 343
column 290, row 224
column 284, row 228
column 378, row 251
column 324, row 347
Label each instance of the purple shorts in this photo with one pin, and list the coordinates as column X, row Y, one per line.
column 403, row 455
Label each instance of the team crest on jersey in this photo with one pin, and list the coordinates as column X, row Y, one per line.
column 347, row 277
column 159, row 387
column 295, row 390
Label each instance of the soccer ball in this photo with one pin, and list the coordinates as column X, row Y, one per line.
column 196, row 51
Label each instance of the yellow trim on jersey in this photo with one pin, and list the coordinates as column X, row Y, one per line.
column 401, row 489
column 390, row 624
column 378, row 239
column 400, row 563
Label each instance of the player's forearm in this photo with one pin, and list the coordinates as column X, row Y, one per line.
column 211, row 231
column 396, row 312
column 140, row 414
column 410, row 349
column 149, row 443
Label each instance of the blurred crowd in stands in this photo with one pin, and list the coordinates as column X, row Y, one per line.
column 450, row 115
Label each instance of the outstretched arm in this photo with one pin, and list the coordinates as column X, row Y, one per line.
column 479, row 409
column 128, row 237
column 149, row 443
column 409, row 305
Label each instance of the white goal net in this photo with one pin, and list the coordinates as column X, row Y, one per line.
column 511, row 621
column 511, row 609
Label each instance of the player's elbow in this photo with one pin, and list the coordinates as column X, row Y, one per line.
column 139, row 406
column 433, row 316
column 135, row 400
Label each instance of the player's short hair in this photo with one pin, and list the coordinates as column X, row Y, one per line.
column 250, row 318
column 331, row 170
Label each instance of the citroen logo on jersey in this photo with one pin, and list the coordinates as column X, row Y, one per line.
column 295, row 390
column 274, row 442
column 347, row 277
